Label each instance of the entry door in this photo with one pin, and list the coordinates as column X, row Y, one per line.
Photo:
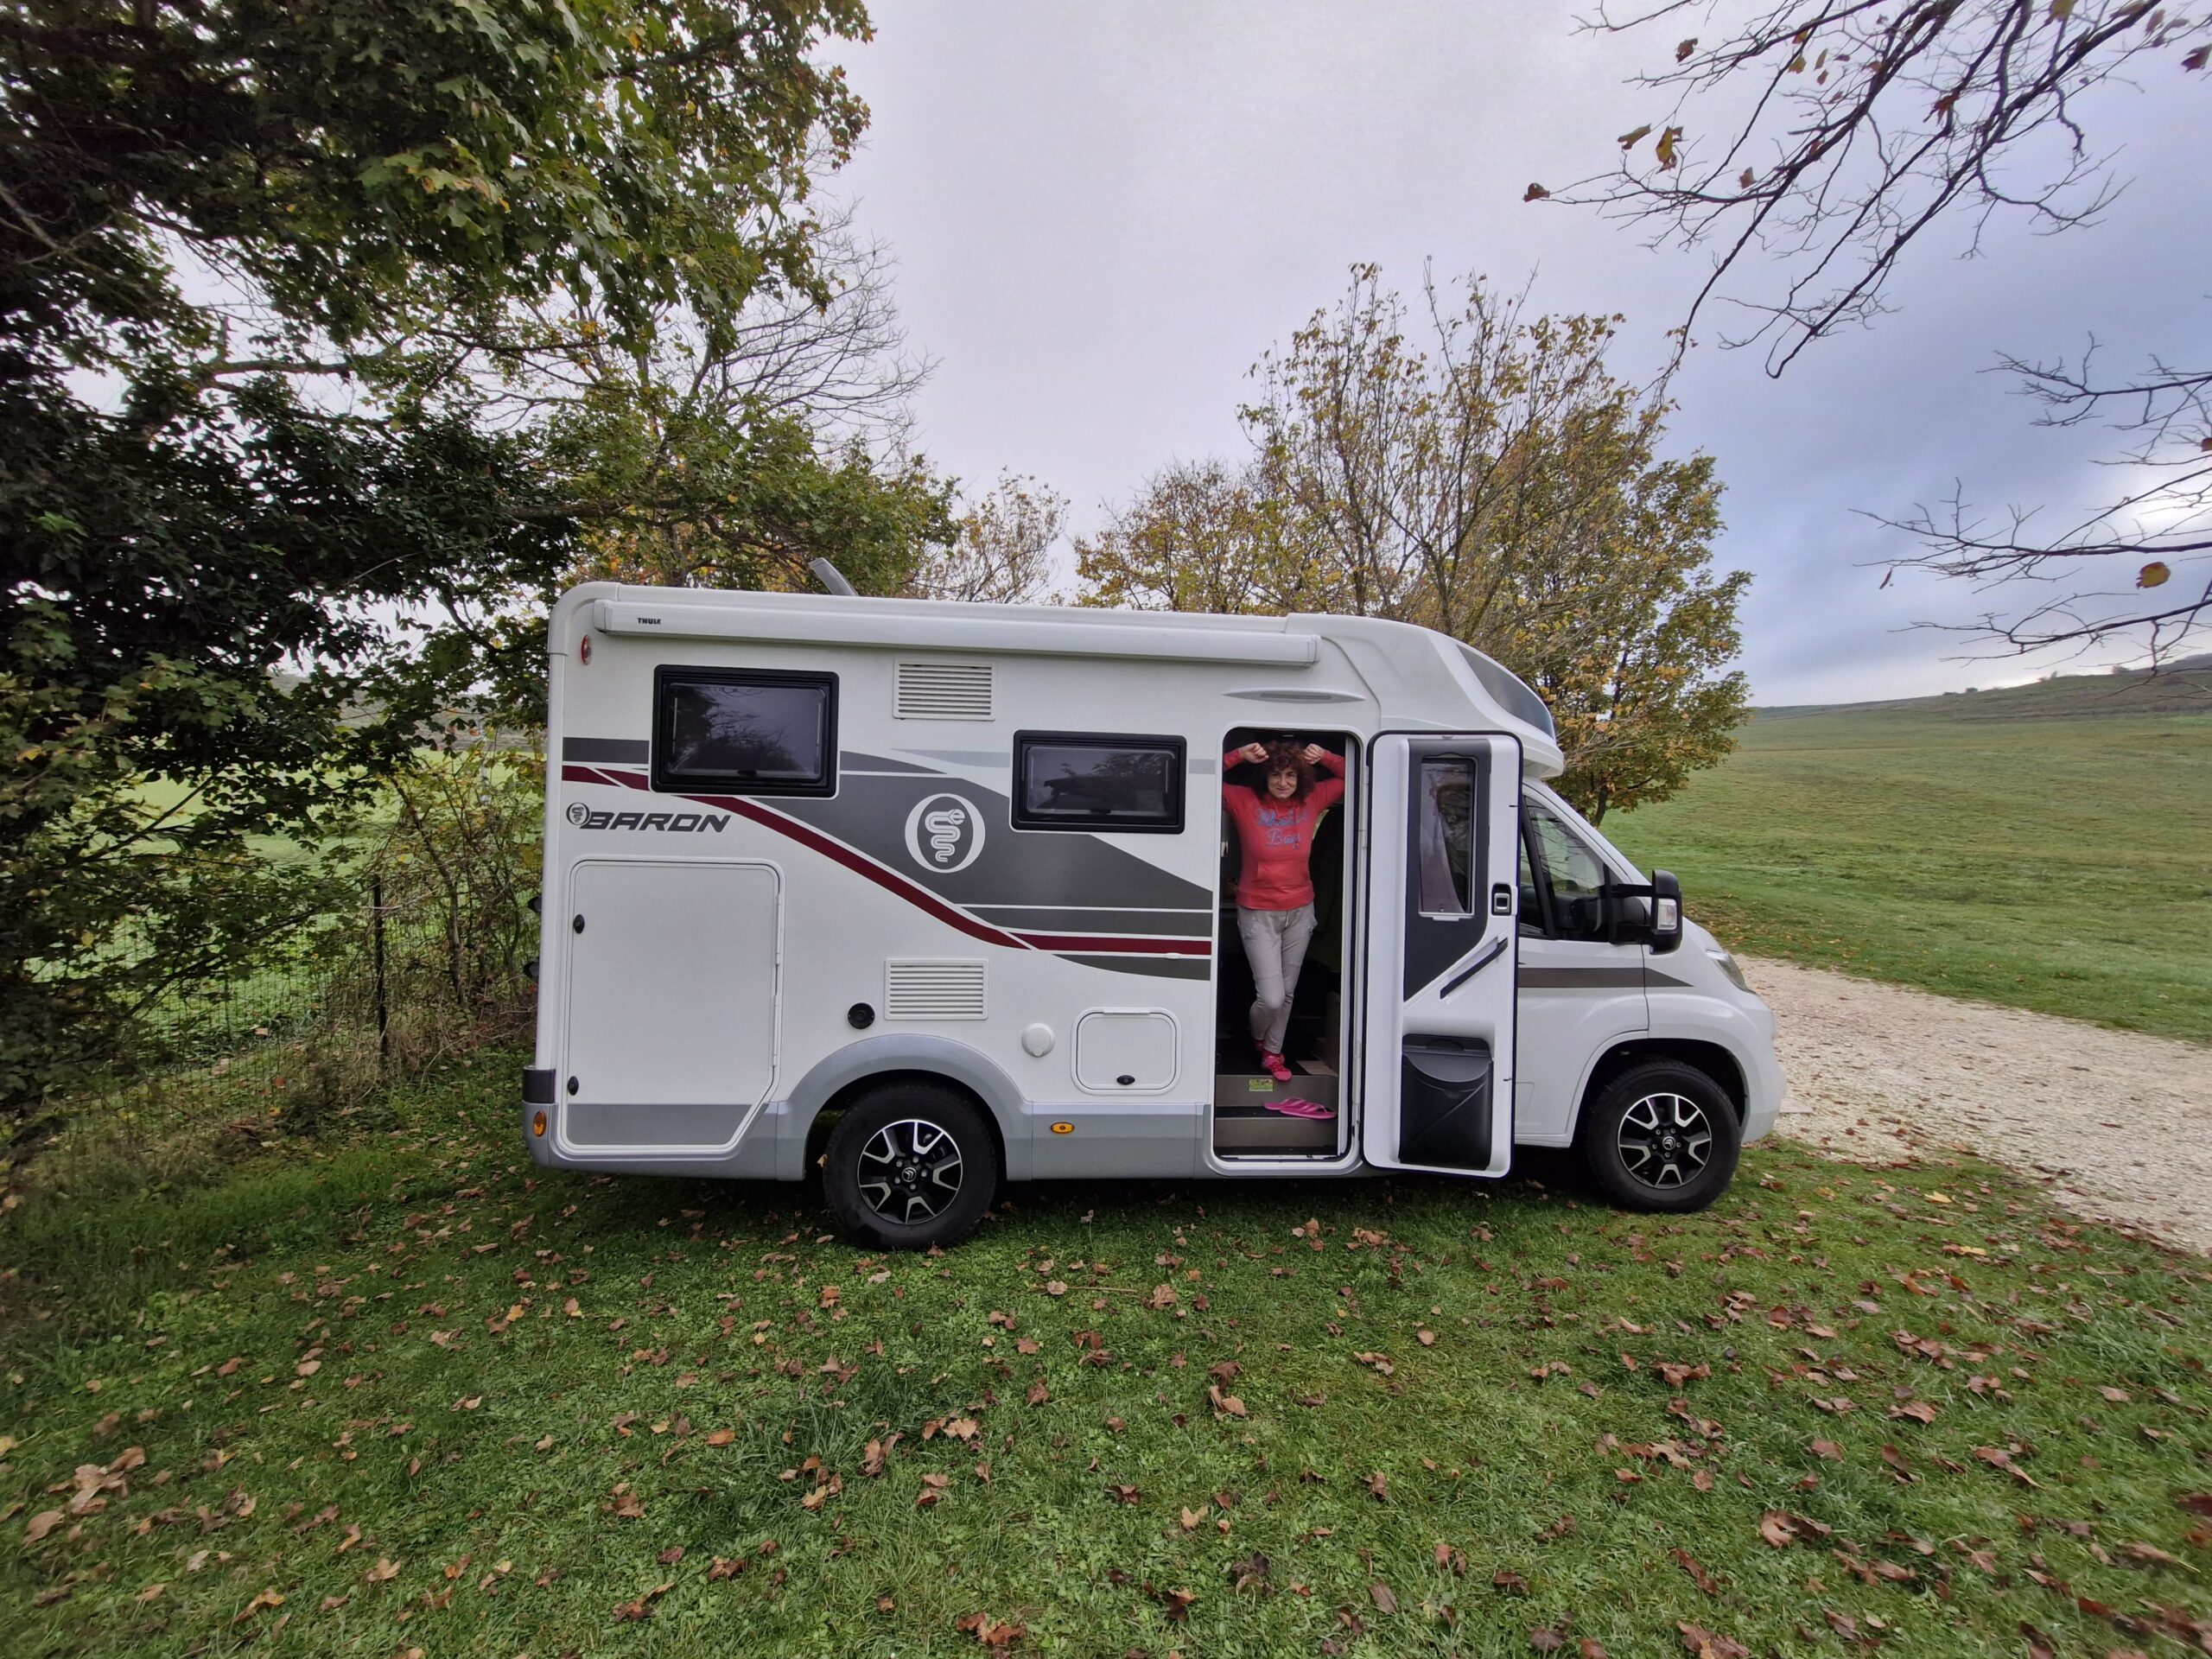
column 1436, row 1066
column 671, row 1007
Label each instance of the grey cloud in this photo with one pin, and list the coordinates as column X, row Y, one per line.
column 1103, row 216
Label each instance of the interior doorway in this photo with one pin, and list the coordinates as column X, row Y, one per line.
column 1256, row 1112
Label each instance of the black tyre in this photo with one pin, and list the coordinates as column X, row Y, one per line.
column 1661, row 1136
column 910, row 1165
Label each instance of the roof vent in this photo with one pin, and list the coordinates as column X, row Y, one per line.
column 933, row 990
column 943, row 691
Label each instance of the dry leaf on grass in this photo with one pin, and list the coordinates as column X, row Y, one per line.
column 1705, row 1644
column 643, row 1606
column 992, row 1633
column 265, row 1598
column 1248, row 1573
column 1689, row 1564
column 43, row 1522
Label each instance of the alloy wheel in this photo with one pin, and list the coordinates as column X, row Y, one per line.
column 910, row 1171
column 1664, row 1139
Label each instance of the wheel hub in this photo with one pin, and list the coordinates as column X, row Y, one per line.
column 910, row 1171
column 1664, row 1139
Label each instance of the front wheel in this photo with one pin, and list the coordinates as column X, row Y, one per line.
column 910, row 1165
column 1661, row 1136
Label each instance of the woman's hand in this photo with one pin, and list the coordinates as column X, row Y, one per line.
column 1254, row 752
column 1312, row 754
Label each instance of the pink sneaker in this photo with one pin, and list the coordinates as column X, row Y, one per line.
column 1276, row 1067
column 1307, row 1108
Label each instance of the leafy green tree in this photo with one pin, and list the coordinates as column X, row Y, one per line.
column 280, row 290
column 1489, row 478
column 1198, row 536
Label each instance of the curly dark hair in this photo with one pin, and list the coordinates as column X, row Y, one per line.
column 1287, row 754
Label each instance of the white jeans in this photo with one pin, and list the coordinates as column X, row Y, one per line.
column 1275, row 944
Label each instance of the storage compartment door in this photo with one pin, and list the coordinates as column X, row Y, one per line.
column 1436, row 1061
column 1125, row 1051
column 671, row 1002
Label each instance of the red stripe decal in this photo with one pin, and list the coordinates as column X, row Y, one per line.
column 810, row 837
column 858, row 862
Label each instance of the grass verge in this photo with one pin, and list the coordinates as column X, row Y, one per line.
column 2054, row 864
column 423, row 1397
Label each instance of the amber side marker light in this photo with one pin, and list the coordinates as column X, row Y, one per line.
column 538, row 1124
column 1063, row 1128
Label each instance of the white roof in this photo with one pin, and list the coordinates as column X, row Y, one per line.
column 1419, row 676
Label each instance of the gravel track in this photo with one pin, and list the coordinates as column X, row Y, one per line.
column 2117, row 1125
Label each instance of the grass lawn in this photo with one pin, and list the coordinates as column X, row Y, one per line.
column 2062, row 863
column 417, row 1396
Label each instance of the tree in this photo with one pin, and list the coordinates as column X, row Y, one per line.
column 264, row 274
column 1003, row 554
column 1814, row 144
column 1199, row 536
column 1490, row 479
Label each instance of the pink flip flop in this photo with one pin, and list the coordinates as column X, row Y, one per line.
column 1311, row 1108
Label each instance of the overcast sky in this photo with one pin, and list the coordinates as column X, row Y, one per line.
column 1103, row 214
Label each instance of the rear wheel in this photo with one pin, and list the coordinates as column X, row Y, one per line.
column 909, row 1167
column 1661, row 1136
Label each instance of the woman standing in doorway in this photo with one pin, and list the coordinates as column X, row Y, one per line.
column 1274, row 886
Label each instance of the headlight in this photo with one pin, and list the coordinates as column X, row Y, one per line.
column 1733, row 969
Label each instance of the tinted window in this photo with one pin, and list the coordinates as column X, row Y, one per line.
column 1571, row 876
column 1073, row 781
column 755, row 734
column 1445, row 845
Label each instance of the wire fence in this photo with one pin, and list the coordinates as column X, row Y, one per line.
column 410, row 974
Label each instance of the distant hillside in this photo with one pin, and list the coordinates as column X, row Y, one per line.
column 2182, row 688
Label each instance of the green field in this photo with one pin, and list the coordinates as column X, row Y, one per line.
column 415, row 1396
column 2048, row 847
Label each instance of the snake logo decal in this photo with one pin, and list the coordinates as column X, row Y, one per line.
column 945, row 832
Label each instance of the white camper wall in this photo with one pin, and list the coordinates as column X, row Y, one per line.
column 999, row 950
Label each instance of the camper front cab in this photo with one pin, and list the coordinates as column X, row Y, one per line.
column 941, row 895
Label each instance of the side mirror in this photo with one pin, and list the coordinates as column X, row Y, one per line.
column 1666, row 911
column 1650, row 915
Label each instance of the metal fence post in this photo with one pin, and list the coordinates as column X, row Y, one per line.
column 383, row 1013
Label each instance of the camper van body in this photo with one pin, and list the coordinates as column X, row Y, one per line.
column 725, row 957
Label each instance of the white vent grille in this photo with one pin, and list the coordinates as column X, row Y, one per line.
column 943, row 691
column 933, row 990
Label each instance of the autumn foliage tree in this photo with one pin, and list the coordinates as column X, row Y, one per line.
column 1001, row 552
column 1481, row 471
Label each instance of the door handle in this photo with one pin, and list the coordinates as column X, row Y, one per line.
column 1496, row 950
column 1501, row 899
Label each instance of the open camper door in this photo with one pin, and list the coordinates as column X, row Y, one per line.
column 1436, row 1070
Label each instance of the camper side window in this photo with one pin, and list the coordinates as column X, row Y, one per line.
column 1084, row 781
column 745, row 732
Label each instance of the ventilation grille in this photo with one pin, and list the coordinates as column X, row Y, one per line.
column 943, row 691
column 933, row 990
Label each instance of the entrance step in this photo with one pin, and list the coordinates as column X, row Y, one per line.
column 1242, row 1124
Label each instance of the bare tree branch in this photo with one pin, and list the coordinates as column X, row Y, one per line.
column 1814, row 144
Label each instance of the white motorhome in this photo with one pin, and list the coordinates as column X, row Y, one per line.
column 956, row 880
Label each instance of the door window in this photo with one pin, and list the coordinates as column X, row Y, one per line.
column 1565, row 875
column 1445, row 840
